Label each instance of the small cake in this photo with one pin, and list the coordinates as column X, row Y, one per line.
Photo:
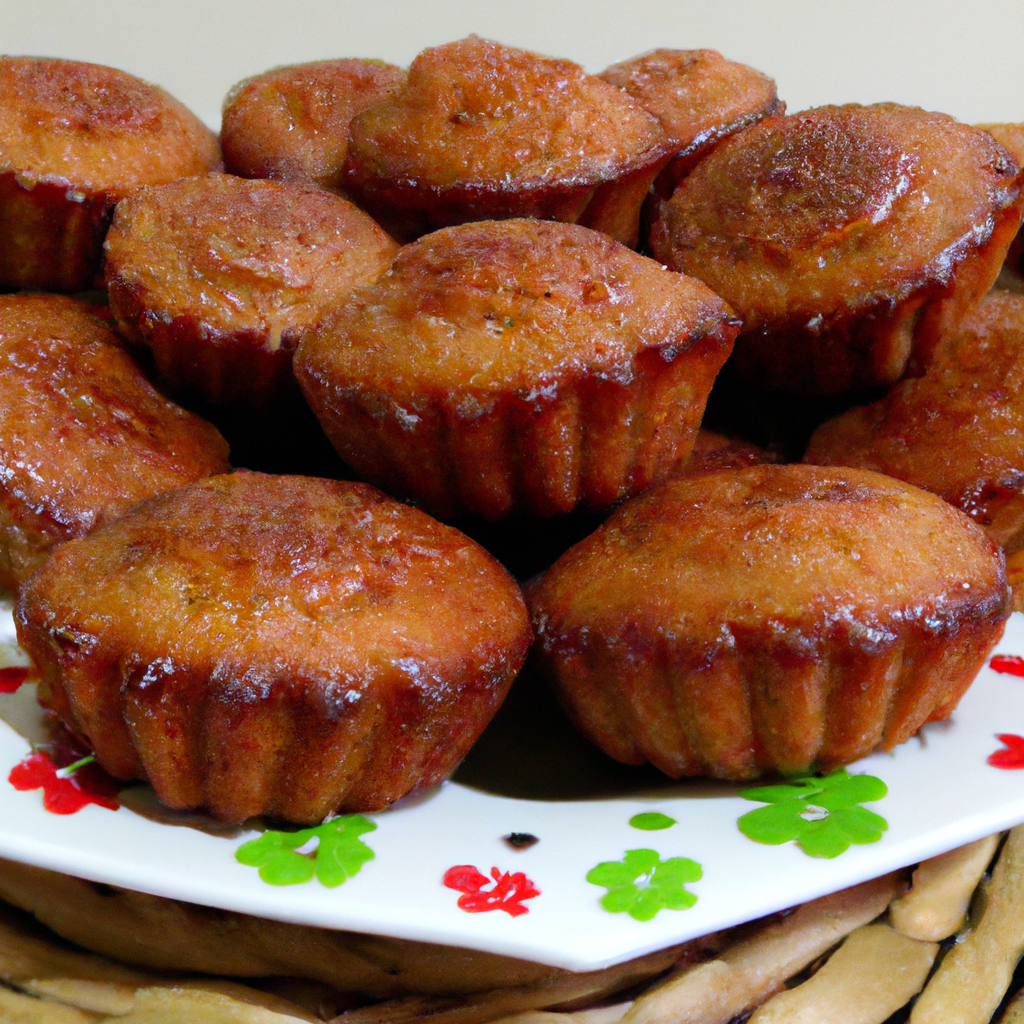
column 286, row 646
column 785, row 619
column 517, row 365
column 484, row 131
column 217, row 276
column 713, row 452
column 74, row 139
column 958, row 431
column 292, row 123
column 698, row 97
column 847, row 238
column 1011, row 138
column 83, row 434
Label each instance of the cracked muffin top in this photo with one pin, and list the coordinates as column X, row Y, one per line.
column 494, row 307
column 292, row 123
column 479, row 115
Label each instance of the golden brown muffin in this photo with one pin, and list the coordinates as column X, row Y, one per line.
column 844, row 236
column 292, row 123
column 1015, row 577
column 770, row 619
column 287, row 646
column 517, row 364
column 74, row 139
column 83, row 435
column 958, row 431
column 218, row 275
column 1011, row 138
column 698, row 97
column 714, row 452
column 484, row 131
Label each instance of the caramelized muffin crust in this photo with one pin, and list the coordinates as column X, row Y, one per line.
column 275, row 645
column 483, row 131
column 218, row 275
column 292, row 123
column 774, row 618
column 516, row 364
column 74, row 139
column 698, row 97
column 1011, row 138
column 958, row 431
column 713, row 452
column 83, row 435
column 842, row 235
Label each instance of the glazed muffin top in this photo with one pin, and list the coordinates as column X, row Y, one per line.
column 478, row 115
column 286, row 578
column 714, row 452
column 1011, row 138
column 83, row 434
column 803, row 551
column 807, row 219
column 292, row 123
column 1009, row 135
column 697, row 95
column 243, row 255
column 95, row 127
column 514, row 306
column 958, row 431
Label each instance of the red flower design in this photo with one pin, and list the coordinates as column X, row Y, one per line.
column 64, row 795
column 1008, row 664
column 507, row 892
column 1012, row 754
column 12, row 677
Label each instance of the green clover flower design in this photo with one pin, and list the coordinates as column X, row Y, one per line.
column 642, row 883
column 651, row 821
column 822, row 815
column 339, row 855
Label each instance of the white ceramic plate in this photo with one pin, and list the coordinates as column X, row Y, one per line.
column 941, row 792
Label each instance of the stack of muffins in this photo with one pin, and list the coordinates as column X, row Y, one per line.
column 506, row 289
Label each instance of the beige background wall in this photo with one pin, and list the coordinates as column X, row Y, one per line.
column 966, row 58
